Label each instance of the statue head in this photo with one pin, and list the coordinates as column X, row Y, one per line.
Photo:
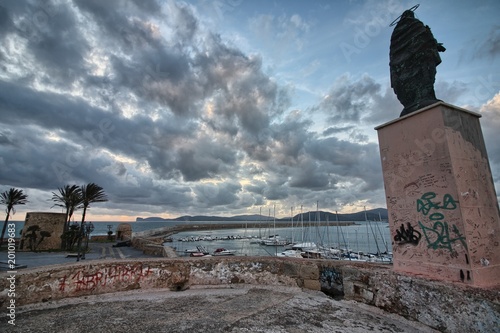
column 408, row 14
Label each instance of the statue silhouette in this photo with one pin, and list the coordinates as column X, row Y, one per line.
column 413, row 60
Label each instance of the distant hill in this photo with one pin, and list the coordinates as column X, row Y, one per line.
column 371, row 215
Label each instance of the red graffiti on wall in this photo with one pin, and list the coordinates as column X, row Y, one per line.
column 82, row 280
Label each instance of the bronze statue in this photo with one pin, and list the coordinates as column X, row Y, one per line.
column 413, row 60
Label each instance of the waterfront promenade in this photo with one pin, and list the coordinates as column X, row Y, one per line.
column 98, row 250
column 237, row 294
column 202, row 309
column 234, row 308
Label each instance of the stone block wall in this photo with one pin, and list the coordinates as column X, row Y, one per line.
column 446, row 307
column 124, row 231
column 49, row 222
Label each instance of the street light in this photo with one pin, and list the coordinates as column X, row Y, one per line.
column 110, row 226
column 85, row 230
column 88, row 230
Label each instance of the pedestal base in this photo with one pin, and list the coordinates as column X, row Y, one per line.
column 443, row 211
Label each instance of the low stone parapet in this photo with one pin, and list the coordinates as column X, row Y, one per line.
column 103, row 238
column 447, row 307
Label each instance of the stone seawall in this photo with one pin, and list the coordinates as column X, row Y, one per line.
column 447, row 307
column 153, row 246
column 167, row 231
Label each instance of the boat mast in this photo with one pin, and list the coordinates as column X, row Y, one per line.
column 374, row 236
column 381, row 234
column 367, row 232
column 346, row 244
column 275, row 239
column 302, row 223
column 318, row 220
column 338, row 232
column 260, row 224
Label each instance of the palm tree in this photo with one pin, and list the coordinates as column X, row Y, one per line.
column 69, row 197
column 90, row 193
column 11, row 198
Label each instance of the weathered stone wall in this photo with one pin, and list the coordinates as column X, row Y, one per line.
column 103, row 238
column 50, row 222
column 153, row 246
column 124, row 231
column 447, row 307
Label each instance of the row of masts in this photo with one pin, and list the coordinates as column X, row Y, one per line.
column 320, row 238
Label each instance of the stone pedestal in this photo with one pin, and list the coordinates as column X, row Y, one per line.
column 443, row 209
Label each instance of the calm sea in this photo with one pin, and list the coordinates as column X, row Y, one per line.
column 368, row 237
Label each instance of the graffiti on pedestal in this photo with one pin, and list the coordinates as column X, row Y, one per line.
column 438, row 235
column 426, row 203
column 407, row 235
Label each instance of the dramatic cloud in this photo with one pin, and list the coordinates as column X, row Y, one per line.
column 179, row 108
column 491, row 46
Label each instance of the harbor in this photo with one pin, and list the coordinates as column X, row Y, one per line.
column 353, row 240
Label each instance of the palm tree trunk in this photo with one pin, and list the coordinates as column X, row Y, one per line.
column 81, row 235
column 5, row 226
column 65, row 230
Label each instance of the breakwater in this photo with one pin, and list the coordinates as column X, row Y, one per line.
column 170, row 230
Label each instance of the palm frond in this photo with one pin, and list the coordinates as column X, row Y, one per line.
column 92, row 193
column 69, row 197
column 13, row 197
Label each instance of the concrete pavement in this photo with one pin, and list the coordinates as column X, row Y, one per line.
column 97, row 251
column 238, row 308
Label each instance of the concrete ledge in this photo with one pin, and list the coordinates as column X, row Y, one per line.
column 447, row 307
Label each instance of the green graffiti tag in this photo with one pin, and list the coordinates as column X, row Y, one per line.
column 438, row 237
column 425, row 204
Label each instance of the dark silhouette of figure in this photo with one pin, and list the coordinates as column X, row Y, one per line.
column 413, row 60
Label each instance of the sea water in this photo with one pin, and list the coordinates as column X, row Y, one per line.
column 366, row 237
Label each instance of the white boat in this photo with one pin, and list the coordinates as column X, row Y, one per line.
column 199, row 254
column 223, row 252
column 312, row 254
column 305, row 246
column 290, row 254
column 200, row 251
column 274, row 241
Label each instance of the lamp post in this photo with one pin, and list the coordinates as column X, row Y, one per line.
column 81, row 232
column 109, row 231
column 88, row 230
column 85, row 230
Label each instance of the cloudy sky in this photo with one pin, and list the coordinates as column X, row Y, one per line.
column 220, row 107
